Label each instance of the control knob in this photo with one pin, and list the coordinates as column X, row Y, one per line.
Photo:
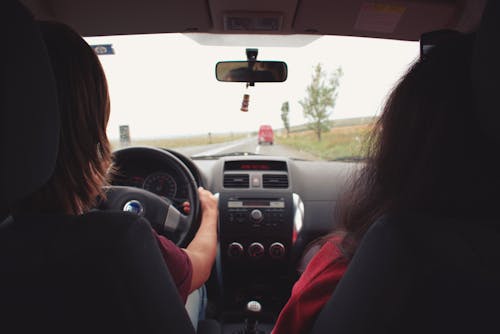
column 256, row 250
column 277, row 250
column 235, row 250
column 256, row 215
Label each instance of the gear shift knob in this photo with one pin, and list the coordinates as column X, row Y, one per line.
column 254, row 307
column 253, row 310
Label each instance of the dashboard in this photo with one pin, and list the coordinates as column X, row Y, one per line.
column 270, row 208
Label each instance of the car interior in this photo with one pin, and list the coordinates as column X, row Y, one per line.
column 270, row 207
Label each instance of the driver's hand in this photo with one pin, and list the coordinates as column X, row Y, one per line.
column 208, row 204
column 203, row 248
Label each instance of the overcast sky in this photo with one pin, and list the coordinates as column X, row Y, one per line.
column 164, row 85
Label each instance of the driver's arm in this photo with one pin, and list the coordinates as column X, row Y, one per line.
column 202, row 249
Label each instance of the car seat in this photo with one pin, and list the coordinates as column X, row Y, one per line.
column 66, row 274
column 419, row 273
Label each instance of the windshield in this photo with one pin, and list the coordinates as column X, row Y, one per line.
column 164, row 93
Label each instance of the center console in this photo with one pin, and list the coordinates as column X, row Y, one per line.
column 258, row 220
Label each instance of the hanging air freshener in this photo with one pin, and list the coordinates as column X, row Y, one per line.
column 244, row 103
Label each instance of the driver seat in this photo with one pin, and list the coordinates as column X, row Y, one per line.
column 421, row 273
column 100, row 272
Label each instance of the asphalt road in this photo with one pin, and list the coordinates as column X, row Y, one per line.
column 249, row 145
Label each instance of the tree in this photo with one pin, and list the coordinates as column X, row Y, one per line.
column 320, row 100
column 285, row 110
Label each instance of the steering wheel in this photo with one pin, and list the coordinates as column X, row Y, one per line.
column 159, row 211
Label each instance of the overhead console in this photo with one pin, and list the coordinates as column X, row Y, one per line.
column 258, row 221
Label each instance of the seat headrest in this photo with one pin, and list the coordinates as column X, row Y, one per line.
column 485, row 70
column 29, row 127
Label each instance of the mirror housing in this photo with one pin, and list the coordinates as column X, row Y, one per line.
column 251, row 71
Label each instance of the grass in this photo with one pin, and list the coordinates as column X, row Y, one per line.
column 184, row 141
column 341, row 142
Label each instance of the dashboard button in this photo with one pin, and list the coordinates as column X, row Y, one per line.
column 255, row 181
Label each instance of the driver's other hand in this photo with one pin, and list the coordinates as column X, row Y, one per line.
column 208, row 204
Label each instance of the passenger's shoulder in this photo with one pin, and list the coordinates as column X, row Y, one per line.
column 329, row 259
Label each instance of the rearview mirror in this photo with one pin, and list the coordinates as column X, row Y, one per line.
column 251, row 71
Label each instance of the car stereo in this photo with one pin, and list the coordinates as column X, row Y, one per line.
column 256, row 229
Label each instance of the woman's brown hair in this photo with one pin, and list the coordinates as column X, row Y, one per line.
column 427, row 153
column 84, row 155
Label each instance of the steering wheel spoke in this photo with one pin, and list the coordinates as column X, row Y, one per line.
column 175, row 221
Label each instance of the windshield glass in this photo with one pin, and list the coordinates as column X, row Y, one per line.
column 164, row 93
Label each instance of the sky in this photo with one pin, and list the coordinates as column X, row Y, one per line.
column 164, row 85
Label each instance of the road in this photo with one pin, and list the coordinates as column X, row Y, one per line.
column 249, row 145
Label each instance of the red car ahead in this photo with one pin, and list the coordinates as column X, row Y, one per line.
column 266, row 134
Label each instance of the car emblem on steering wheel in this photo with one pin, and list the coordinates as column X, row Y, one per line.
column 134, row 206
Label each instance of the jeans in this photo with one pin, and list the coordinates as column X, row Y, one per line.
column 196, row 304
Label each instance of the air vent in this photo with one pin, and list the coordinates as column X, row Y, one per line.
column 236, row 181
column 275, row 181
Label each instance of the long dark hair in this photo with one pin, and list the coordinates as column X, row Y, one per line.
column 84, row 155
column 426, row 152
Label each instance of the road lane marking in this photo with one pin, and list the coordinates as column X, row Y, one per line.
column 257, row 149
column 217, row 150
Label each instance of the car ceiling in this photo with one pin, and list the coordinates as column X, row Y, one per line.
column 404, row 20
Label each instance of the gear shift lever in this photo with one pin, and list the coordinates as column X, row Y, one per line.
column 253, row 310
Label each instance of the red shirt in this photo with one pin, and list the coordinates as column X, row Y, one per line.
column 313, row 289
column 178, row 264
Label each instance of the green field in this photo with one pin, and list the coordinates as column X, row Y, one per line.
column 341, row 142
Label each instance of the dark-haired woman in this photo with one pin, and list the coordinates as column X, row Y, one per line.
column 84, row 157
column 426, row 154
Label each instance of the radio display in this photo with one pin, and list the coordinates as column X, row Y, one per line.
column 256, row 203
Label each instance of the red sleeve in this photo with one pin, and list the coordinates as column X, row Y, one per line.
column 313, row 289
column 178, row 264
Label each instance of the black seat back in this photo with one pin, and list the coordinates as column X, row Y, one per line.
column 29, row 127
column 96, row 273
column 412, row 275
column 425, row 274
